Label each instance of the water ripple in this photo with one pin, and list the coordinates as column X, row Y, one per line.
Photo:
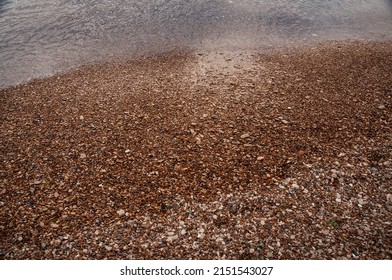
column 41, row 37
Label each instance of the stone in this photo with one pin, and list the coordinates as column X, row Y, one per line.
column 381, row 106
column 172, row 238
column 121, row 212
column 245, row 135
column 201, row 235
column 108, row 248
column 325, row 231
column 83, row 155
column 287, row 180
column 54, row 225
column 81, row 118
column 260, row 158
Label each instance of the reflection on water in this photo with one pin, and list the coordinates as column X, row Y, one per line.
column 45, row 36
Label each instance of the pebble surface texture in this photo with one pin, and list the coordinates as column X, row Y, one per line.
column 208, row 155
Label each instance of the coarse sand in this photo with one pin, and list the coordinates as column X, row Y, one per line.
column 214, row 154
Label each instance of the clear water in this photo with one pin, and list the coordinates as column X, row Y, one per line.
column 42, row 37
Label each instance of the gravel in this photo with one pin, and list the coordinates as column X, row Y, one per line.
column 281, row 154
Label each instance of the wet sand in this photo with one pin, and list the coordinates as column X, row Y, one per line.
column 210, row 155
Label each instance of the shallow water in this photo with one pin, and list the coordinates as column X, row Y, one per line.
column 42, row 37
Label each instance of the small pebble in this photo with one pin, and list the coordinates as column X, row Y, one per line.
column 245, row 135
column 172, row 238
column 108, row 248
column 381, row 106
column 295, row 186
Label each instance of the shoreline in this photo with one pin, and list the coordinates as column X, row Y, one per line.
column 205, row 155
column 282, row 48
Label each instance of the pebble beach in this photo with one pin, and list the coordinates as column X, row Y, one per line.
column 218, row 154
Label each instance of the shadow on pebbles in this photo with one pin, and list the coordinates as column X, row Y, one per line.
column 207, row 155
